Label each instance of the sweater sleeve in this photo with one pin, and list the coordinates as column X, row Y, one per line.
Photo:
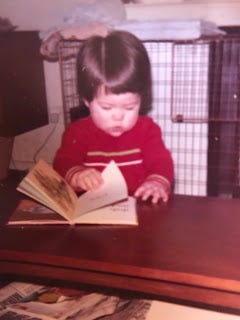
column 69, row 157
column 157, row 158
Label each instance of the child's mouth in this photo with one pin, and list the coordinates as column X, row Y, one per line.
column 117, row 130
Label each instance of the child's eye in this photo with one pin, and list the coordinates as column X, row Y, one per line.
column 129, row 108
column 106, row 108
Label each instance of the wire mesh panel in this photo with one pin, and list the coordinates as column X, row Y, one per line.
column 190, row 69
column 177, row 84
column 67, row 56
column 196, row 97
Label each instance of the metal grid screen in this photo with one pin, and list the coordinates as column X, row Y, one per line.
column 196, row 102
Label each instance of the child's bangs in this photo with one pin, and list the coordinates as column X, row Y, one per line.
column 121, row 82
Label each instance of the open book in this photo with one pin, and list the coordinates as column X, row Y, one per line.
column 109, row 204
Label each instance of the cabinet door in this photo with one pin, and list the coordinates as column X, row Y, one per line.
column 23, row 105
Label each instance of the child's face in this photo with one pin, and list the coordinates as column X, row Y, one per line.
column 114, row 113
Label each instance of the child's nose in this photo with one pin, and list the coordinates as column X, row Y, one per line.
column 118, row 114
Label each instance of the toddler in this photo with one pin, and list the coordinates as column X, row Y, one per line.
column 114, row 83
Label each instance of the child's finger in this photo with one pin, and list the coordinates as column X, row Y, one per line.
column 143, row 192
column 89, row 179
column 148, row 190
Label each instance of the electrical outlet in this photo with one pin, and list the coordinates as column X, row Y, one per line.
column 54, row 118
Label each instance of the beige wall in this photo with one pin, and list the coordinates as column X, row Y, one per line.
column 44, row 14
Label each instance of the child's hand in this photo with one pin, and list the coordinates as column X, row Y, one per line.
column 153, row 189
column 87, row 179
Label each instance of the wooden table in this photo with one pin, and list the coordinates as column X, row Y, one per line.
column 187, row 250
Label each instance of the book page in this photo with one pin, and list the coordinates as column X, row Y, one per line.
column 29, row 212
column 44, row 184
column 112, row 190
column 29, row 190
column 123, row 212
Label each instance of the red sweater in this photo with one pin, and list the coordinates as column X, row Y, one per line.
column 139, row 152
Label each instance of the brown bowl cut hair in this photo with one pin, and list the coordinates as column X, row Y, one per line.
column 119, row 62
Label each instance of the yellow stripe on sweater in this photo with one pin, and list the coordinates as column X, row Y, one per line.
column 110, row 154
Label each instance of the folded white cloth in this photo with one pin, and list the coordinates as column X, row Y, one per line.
column 170, row 29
